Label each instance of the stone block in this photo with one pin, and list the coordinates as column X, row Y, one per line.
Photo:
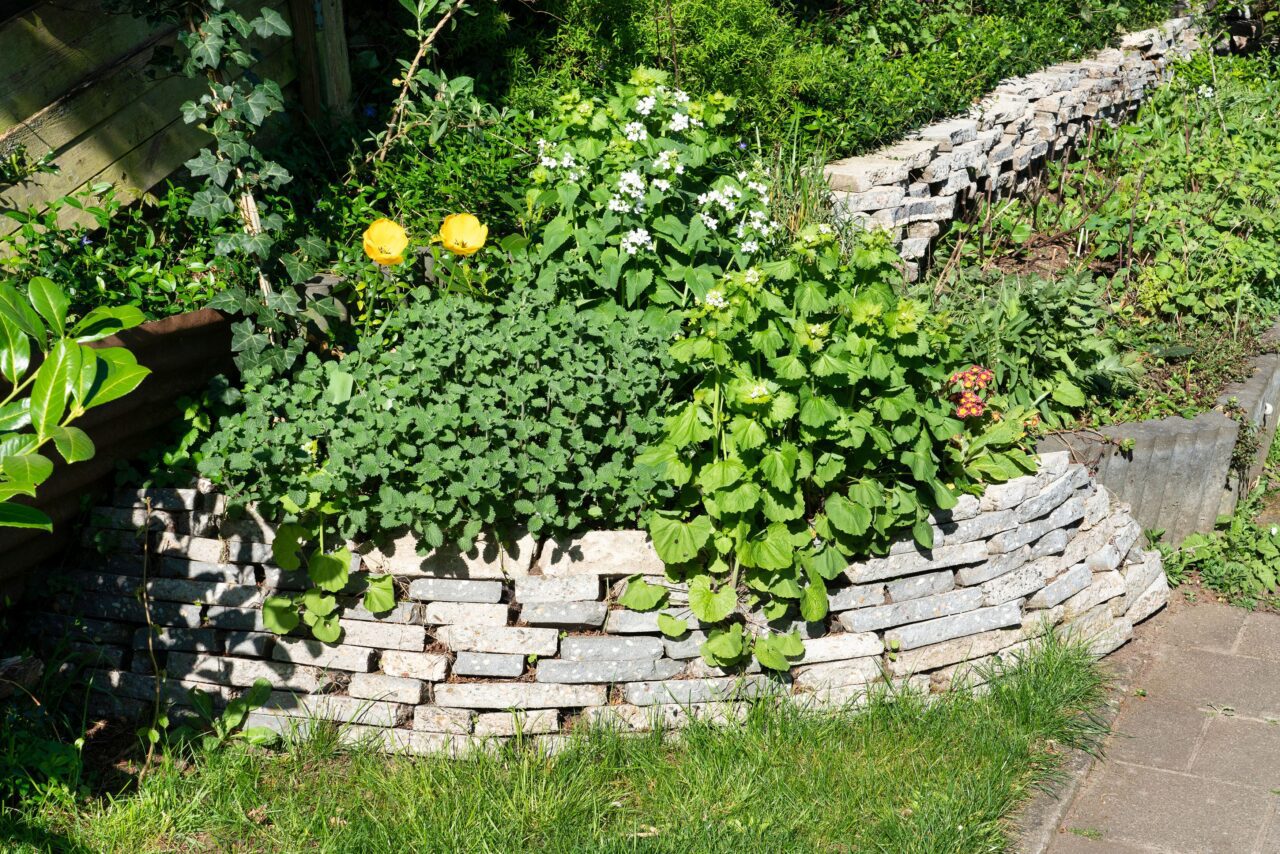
column 950, row 652
column 250, row 644
column 607, row 672
column 950, row 134
column 915, row 247
column 428, row 666
column 919, row 586
column 568, row 588
column 911, row 611
column 855, row 596
column 328, row 707
column 455, row 590
column 1062, row 588
column 1150, row 600
column 1052, row 496
column 492, row 664
column 383, row 635
column 936, row 208
column 162, row 638
column 509, row 724
column 313, row 653
column 506, row 639
column 1138, row 576
column 1085, row 543
column 955, row 626
column 1104, row 559
column 1103, row 587
column 839, row 647
column 242, row 672
column 686, row 646
column 605, row 553
column 464, row 613
column 436, row 719
column 1127, row 536
column 395, row 689
column 663, row 717
column 1029, row 532
column 916, row 153
column 609, row 648
column 1012, row 585
column 518, row 695
column 565, row 615
column 244, row 619
column 994, row 567
column 486, row 559
column 876, row 199
column 916, row 561
column 1052, row 543
column 403, row 612
column 684, row 691
column 860, row 174
column 929, row 230
column 837, row 674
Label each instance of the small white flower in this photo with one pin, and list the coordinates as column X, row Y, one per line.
column 631, row 184
column 567, row 161
column 549, row 162
column 680, row 96
column 637, row 239
column 751, row 277
column 618, row 205
column 679, row 122
column 715, row 299
column 759, row 188
column 1274, row 530
column 661, row 184
column 710, row 222
column 695, row 122
column 542, row 145
column 742, row 176
column 636, row 132
column 759, row 391
column 750, row 247
column 1205, row 91
column 645, row 105
column 823, row 228
column 679, row 168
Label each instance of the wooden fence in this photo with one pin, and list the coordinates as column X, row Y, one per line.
column 77, row 81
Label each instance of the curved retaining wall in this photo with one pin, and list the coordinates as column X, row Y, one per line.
column 916, row 187
column 527, row 638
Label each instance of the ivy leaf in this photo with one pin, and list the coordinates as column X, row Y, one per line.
column 280, row 614
column 287, row 547
column 270, row 23
column 672, row 627
column 640, row 595
column 329, row 571
column 677, row 541
column 711, row 606
column 380, row 595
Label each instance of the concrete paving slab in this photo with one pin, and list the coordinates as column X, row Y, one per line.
column 1159, row 733
column 1171, row 811
column 1207, row 626
column 1260, row 637
column 1080, row 840
column 1240, row 751
column 1250, row 686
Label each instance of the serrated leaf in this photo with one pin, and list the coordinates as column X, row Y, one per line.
column 847, row 516
column 640, row 595
column 329, row 571
column 721, row 474
column 676, row 541
column 380, row 594
column 708, row 605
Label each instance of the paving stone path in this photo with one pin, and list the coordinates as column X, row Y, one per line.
column 1193, row 766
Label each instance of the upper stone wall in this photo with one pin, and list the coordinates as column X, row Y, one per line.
column 530, row 637
column 914, row 188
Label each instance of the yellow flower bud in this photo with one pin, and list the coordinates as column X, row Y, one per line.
column 463, row 234
column 385, row 242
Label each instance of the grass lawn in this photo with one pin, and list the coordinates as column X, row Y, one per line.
column 899, row 776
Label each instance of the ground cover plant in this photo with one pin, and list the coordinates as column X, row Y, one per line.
column 1137, row 283
column 901, row 775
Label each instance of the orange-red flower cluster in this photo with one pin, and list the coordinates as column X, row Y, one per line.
column 969, row 405
column 974, row 377
column 967, row 384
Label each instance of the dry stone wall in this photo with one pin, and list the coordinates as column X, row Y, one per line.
column 914, row 188
column 528, row 638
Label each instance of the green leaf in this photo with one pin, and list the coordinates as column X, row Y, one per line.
column 1068, row 393
column 721, row 474
column 15, row 415
column 329, row 571
column 827, row 562
column 50, row 302
column 22, row 516
column 15, row 351
column 52, row 386
column 286, row 549
column 923, row 532
column 768, row 654
column 778, row 467
column 341, row 384
column 326, row 629
column 847, row 516
column 813, row 601
column 817, row 410
column 280, row 614
column 687, row 427
column 711, row 606
column 73, row 443
column 672, row 627
column 122, row 375
column 640, row 595
column 319, row 603
column 380, row 595
column 27, row 468
column 16, row 309
column 724, row 646
column 106, row 320
column 677, row 541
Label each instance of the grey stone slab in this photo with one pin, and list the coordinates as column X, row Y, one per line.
column 314, row 653
column 1209, row 625
column 495, row 664
column 428, row 666
column 839, row 647
column 1029, row 532
column 507, row 724
column 244, row 619
column 463, row 613
column 1156, row 732
column 1008, row 495
column 518, row 695
column 126, row 610
column 565, row 615
column 855, row 596
column 1260, row 636
column 505, row 639
column 956, row 626
column 436, row 719
column 837, row 674
column 920, row 586
column 329, row 707
column 1062, row 588
column 1052, row 543
column 602, row 672
column 487, row 559
column 686, row 646
column 394, row 689
column 455, row 590
column 1052, row 496
column 909, row 563
column 250, row 644
column 383, row 635
column 911, row 611
column 1155, row 597
column 1168, row 811
column 1012, row 585
column 1251, row 686
column 597, row 648
column 860, row 174
column 1104, row 586
column 243, row 672
column 994, row 567
column 569, row 588
column 161, row 638
column 681, row 691
column 602, row 553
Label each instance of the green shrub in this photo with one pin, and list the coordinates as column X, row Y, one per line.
column 462, row 416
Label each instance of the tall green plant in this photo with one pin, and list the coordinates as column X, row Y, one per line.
column 53, row 380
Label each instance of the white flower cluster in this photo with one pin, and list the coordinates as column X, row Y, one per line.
column 637, row 239
column 668, row 161
column 630, row 185
column 715, row 299
column 728, row 200
column 1205, row 91
column 759, row 391
column 636, row 131
column 548, row 159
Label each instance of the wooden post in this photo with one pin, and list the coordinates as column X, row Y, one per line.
column 320, row 45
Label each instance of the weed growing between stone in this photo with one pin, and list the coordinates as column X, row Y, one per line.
column 902, row 775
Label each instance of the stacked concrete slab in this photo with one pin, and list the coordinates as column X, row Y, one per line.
column 914, row 188
column 528, row 637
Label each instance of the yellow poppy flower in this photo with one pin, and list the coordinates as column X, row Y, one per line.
column 463, row 234
column 385, row 242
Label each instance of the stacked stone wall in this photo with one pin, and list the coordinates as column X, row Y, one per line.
column 914, row 188
column 529, row 637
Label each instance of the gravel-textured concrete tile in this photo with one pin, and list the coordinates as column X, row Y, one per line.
column 1159, row 733
column 1242, row 751
column 1206, row 626
column 1260, row 637
column 1250, row 686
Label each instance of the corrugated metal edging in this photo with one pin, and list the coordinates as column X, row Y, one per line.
column 183, row 352
column 1177, row 476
